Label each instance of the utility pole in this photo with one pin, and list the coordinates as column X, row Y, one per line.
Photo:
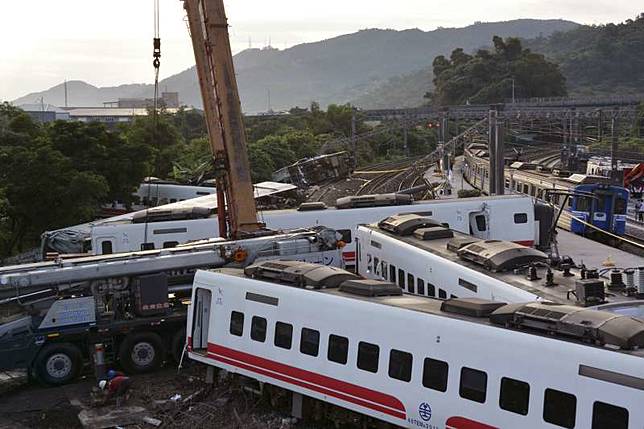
column 497, row 152
column 513, row 99
column 405, row 146
column 354, row 143
column 444, row 135
column 65, row 92
column 614, row 143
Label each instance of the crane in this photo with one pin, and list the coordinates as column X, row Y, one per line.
column 236, row 210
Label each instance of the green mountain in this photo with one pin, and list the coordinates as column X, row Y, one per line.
column 336, row 70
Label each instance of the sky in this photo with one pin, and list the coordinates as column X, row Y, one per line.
column 109, row 42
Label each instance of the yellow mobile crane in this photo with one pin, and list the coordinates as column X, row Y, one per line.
column 236, row 209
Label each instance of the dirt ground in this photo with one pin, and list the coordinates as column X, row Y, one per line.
column 228, row 403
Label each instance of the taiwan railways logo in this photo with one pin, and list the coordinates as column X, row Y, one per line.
column 425, row 411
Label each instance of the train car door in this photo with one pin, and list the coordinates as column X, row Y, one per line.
column 479, row 225
column 201, row 319
column 602, row 209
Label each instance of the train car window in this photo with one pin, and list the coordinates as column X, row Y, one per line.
column 609, row 416
column 442, row 294
column 170, row 244
column 514, row 396
column 310, row 342
column 338, row 349
column 601, row 203
column 147, row 246
column 620, row 206
column 410, row 283
column 392, row 273
column 559, row 408
column 283, row 335
column 480, row 222
column 569, row 202
column 368, row 355
column 258, row 329
column 106, row 247
column 237, row 323
column 401, row 278
column 173, row 200
column 583, row 204
column 421, row 286
column 400, row 365
column 525, row 189
column 435, row 374
column 520, row 218
column 346, row 235
column 473, row 384
column 431, row 290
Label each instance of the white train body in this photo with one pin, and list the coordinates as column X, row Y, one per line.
column 460, row 214
column 543, row 377
column 446, row 264
column 382, row 257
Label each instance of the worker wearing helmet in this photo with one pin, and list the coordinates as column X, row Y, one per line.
column 116, row 387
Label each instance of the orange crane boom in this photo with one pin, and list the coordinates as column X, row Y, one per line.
column 208, row 25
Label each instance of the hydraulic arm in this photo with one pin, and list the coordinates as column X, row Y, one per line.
column 209, row 32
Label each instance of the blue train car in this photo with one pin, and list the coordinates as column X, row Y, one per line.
column 607, row 210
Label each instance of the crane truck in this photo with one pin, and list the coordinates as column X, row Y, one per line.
column 53, row 314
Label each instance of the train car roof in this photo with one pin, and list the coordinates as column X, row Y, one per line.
column 559, row 292
column 474, row 310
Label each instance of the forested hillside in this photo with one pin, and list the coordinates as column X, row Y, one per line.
column 493, row 76
column 601, row 59
column 595, row 60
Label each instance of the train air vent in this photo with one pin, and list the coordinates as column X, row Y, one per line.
column 497, row 255
column 406, row 224
column 376, row 200
column 370, row 288
column 458, row 243
column 307, row 207
column 433, row 233
column 474, row 307
column 300, row 274
column 598, row 326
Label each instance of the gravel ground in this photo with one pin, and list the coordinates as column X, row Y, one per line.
column 228, row 403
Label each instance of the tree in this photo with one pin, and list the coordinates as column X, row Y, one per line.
column 43, row 191
column 161, row 136
column 93, row 148
column 488, row 77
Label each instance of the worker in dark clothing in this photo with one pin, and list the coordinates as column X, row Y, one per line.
column 118, row 387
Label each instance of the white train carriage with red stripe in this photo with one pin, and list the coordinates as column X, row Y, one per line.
column 418, row 362
column 512, row 217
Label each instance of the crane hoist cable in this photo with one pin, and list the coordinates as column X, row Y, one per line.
column 156, row 63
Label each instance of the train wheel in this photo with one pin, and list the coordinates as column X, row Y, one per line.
column 142, row 352
column 58, row 364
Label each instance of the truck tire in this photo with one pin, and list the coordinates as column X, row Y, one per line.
column 141, row 352
column 58, row 363
column 178, row 343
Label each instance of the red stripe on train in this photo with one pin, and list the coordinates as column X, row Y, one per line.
column 349, row 256
column 319, row 383
column 458, row 422
column 526, row 243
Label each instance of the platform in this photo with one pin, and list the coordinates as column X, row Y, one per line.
column 592, row 253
